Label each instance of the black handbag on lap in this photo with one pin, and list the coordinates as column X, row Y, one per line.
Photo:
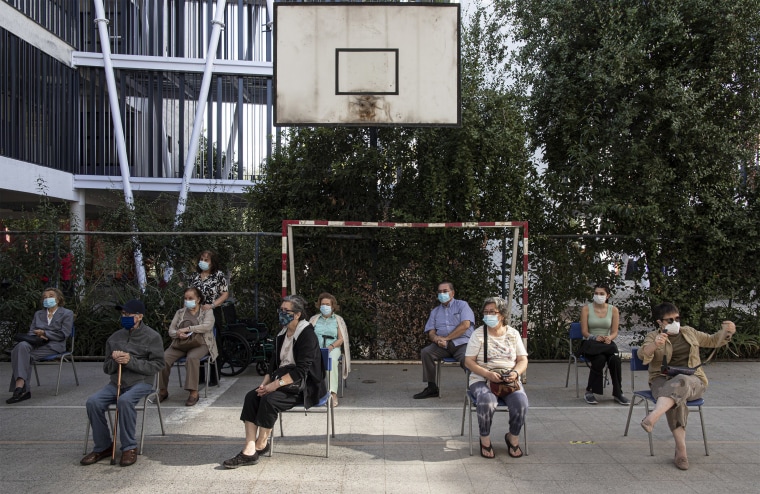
column 32, row 339
column 293, row 388
column 592, row 348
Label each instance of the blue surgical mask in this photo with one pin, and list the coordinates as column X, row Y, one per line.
column 326, row 310
column 491, row 320
column 203, row 265
column 49, row 303
column 190, row 304
column 127, row 322
column 285, row 318
column 444, row 297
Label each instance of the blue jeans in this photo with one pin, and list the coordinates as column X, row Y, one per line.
column 97, row 407
column 487, row 403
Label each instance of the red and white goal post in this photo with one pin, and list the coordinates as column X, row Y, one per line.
column 517, row 226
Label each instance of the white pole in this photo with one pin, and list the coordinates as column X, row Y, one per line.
column 121, row 147
column 192, row 150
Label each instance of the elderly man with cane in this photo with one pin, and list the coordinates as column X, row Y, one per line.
column 134, row 355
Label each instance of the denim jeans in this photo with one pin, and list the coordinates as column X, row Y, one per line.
column 97, row 407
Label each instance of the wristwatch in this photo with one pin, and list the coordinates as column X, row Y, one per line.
column 281, row 382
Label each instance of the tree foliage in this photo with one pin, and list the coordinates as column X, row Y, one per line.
column 647, row 114
column 385, row 280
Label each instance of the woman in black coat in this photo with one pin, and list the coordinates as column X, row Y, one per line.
column 296, row 369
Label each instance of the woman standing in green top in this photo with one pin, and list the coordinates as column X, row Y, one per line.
column 599, row 322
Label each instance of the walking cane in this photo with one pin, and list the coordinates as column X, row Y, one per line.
column 116, row 417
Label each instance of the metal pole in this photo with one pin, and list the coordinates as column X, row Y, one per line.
column 515, row 239
column 201, row 108
column 121, row 146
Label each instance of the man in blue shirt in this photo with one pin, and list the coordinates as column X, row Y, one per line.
column 449, row 328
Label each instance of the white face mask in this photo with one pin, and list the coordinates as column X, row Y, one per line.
column 673, row 328
column 600, row 299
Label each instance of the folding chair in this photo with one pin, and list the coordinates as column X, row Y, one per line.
column 646, row 397
column 341, row 381
column 469, row 399
column 150, row 399
column 205, row 361
column 324, row 402
column 59, row 358
column 438, row 364
column 575, row 335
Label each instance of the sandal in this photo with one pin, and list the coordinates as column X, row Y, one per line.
column 513, row 449
column 487, row 449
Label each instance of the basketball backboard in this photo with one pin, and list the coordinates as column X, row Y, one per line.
column 367, row 64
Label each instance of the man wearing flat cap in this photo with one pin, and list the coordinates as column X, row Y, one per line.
column 140, row 351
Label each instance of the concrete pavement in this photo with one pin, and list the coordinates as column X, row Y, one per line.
column 388, row 442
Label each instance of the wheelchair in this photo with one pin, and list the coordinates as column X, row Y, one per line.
column 241, row 342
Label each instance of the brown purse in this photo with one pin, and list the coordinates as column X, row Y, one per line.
column 503, row 387
column 184, row 345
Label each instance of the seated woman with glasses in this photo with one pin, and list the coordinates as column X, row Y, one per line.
column 296, row 369
column 679, row 346
column 505, row 350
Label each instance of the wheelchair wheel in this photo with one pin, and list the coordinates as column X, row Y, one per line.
column 234, row 354
column 261, row 368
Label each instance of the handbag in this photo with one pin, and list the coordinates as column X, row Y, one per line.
column 194, row 341
column 293, row 388
column 503, row 387
column 32, row 339
column 670, row 371
column 184, row 345
column 592, row 348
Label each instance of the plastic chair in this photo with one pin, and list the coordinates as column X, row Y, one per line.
column 469, row 399
column 205, row 361
column 152, row 399
column 60, row 358
column 575, row 335
column 646, row 397
column 325, row 402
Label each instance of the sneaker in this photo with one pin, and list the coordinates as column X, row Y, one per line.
column 590, row 398
column 427, row 393
column 622, row 399
column 241, row 460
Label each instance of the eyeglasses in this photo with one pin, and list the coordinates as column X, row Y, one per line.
column 490, row 312
column 671, row 320
column 285, row 311
column 444, row 291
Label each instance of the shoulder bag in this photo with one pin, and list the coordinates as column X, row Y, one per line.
column 184, row 345
column 503, row 387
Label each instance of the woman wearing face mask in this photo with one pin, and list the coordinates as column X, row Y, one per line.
column 505, row 351
column 210, row 280
column 295, row 369
column 191, row 331
column 680, row 346
column 599, row 322
column 332, row 334
column 51, row 326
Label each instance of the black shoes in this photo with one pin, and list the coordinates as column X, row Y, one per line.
column 18, row 395
column 241, row 460
column 622, row 399
column 428, row 392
